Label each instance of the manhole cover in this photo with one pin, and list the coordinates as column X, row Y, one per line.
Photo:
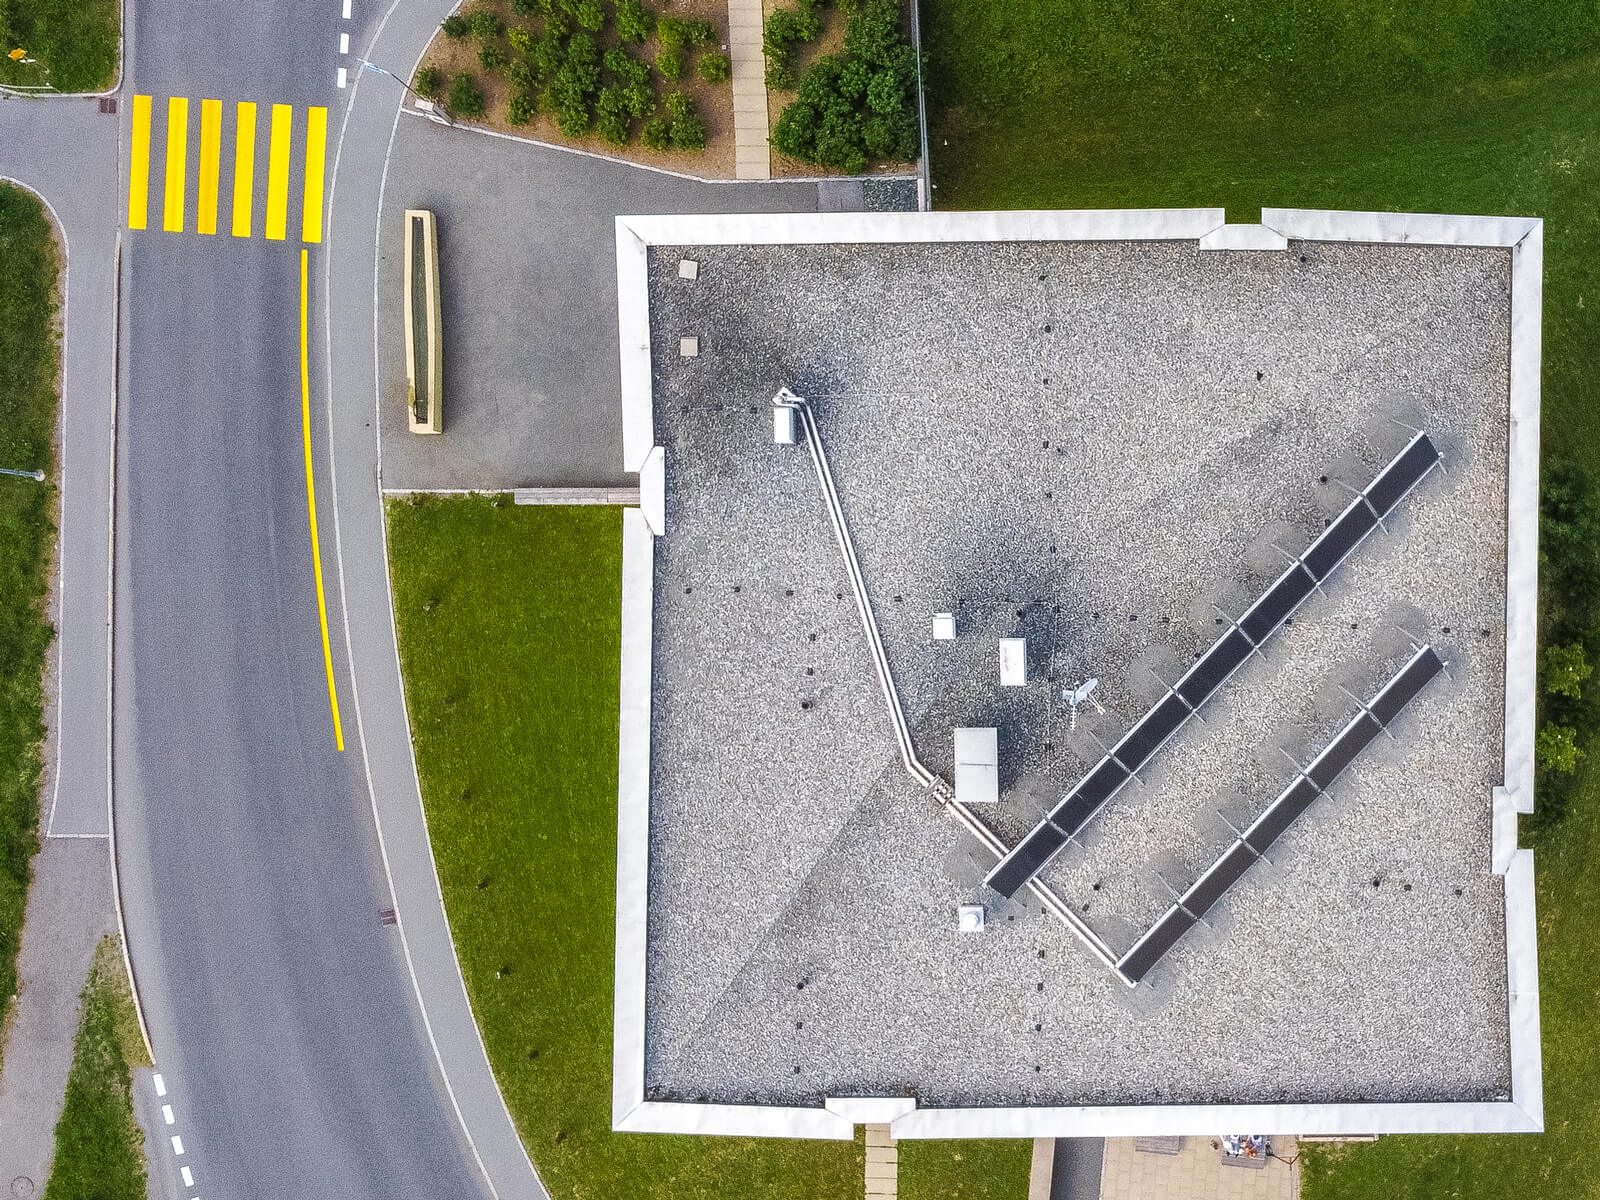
column 22, row 1188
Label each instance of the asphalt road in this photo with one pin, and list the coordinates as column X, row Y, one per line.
column 284, row 1022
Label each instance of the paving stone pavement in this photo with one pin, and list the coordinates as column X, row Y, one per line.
column 883, row 1164
column 751, row 157
column 1196, row 1172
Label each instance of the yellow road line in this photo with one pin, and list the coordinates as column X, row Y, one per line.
column 244, row 168
column 177, row 162
column 311, row 508
column 316, row 148
column 139, row 165
column 205, row 218
column 278, row 173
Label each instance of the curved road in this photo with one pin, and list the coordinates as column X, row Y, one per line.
column 280, row 1003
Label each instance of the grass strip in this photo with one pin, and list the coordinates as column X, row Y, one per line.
column 509, row 623
column 965, row 1170
column 29, row 369
column 74, row 43
column 99, row 1146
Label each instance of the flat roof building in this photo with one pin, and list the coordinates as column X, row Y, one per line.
column 1271, row 489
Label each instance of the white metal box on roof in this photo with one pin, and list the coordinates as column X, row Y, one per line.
column 1013, row 662
column 977, row 766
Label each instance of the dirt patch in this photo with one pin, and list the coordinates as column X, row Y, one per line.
column 714, row 101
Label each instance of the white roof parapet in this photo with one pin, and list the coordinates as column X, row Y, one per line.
column 767, row 229
column 633, row 329
column 870, row 1110
column 1522, row 982
column 1244, row 237
column 1522, row 517
column 633, row 817
column 653, row 490
column 1427, row 229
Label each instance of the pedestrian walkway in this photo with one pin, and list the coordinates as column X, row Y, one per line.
column 1195, row 1172
column 285, row 137
column 883, row 1164
column 69, row 911
column 752, row 160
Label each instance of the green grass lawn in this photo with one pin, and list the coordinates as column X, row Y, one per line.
column 29, row 364
column 99, row 1147
column 1491, row 106
column 509, row 622
column 75, row 43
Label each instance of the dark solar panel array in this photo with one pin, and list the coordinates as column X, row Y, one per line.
column 1224, row 657
column 1270, row 825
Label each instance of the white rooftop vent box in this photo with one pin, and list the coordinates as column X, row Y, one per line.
column 1013, row 662
column 944, row 627
column 689, row 347
column 783, row 425
column 969, row 918
column 688, row 269
column 977, row 766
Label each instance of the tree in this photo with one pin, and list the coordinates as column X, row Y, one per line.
column 1555, row 748
column 1564, row 669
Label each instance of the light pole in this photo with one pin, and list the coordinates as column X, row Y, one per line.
column 36, row 476
column 444, row 114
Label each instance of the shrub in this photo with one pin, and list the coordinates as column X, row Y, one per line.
column 613, row 115
column 689, row 132
column 572, row 90
column 670, row 63
column 655, row 134
column 523, row 77
column 521, row 40
column 493, row 59
column 679, row 106
column 486, row 26
column 785, row 28
column 583, row 52
column 590, row 15
column 672, row 34
column 859, row 105
column 715, row 67
column 525, row 8
column 1569, row 530
column 429, row 82
column 557, row 24
column 1555, row 748
column 635, row 22
column 521, row 107
column 455, row 26
column 466, row 99
column 625, row 66
column 1563, row 670
column 697, row 32
column 548, row 57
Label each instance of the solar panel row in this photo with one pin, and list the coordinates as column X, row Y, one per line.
column 1355, row 737
column 1225, row 656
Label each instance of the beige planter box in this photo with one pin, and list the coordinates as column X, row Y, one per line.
column 424, row 351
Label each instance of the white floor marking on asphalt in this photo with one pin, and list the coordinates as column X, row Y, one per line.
column 344, row 43
column 166, row 1113
column 177, row 1144
column 346, row 10
column 188, row 1176
column 161, row 1086
column 341, row 76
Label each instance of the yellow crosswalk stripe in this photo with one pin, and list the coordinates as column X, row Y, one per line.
column 177, row 163
column 244, row 168
column 205, row 218
column 278, row 173
column 316, row 148
column 139, row 165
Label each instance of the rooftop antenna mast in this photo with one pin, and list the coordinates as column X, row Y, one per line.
column 1077, row 697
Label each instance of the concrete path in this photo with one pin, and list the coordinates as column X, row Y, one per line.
column 66, row 151
column 69, row 911
column 883, row 1164
column 752, row 158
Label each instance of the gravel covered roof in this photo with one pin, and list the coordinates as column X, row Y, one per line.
column 1105, row 448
